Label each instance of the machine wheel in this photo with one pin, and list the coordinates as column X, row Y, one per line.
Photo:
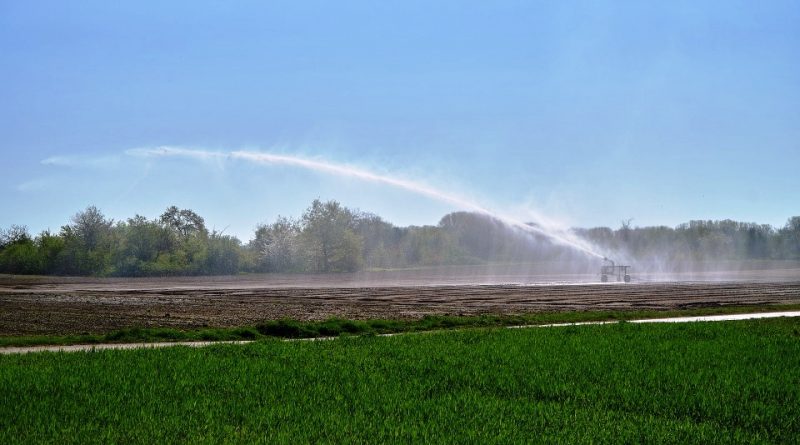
column 604, row 278
column 627, row 278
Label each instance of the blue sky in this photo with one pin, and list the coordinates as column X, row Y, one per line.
column 586, row 112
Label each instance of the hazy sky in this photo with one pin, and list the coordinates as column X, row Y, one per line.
column 586, row 112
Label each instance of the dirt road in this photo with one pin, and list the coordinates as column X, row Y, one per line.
column 62, row 306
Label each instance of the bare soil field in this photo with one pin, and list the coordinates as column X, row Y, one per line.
column 58, row 305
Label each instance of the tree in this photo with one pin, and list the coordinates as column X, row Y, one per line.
column 381, row 240
column 625, row 230
column 757, row 241
column 141, row 242
column 18, row 252
column 329, row 238
column 91, row 227
column 277, row 246
column 50, row 247
column 223, row 254
column 184, row 222
column 790, row 238
column 14, row 234
column 191, row 254
column 429, row 245
column 87, row 243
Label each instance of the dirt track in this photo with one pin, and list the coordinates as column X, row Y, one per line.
column 53, row 305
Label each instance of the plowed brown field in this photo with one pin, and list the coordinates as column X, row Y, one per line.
column 75, row 305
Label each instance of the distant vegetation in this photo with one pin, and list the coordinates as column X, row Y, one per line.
column 733, row 382
column 329, row 237
column 701, row 241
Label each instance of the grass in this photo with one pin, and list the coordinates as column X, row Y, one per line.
column 335, row 327
column 733, row 382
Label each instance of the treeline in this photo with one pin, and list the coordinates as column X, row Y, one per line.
column 701, row 241
column 177, row 243
column 329, row 237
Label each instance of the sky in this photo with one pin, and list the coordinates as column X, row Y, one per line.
column 583, row 113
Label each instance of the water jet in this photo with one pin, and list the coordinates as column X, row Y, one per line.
column 557, row 235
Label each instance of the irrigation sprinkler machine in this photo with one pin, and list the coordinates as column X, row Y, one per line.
column 610, row 269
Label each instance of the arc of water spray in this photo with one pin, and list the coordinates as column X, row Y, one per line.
column 348, row 171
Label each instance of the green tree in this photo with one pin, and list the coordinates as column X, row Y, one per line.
column 191, row 253
column 429, row 245
column 184, row 222
column 50, row 247
column 87, row 243
column 277, row 246
column 140, row 243
column 329, row 237
column 381, row 241
column 224, row 254
column 18, row 252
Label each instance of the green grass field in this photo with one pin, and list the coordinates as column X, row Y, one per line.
column 731, row 382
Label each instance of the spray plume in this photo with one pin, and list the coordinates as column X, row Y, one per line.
column 558, row 236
